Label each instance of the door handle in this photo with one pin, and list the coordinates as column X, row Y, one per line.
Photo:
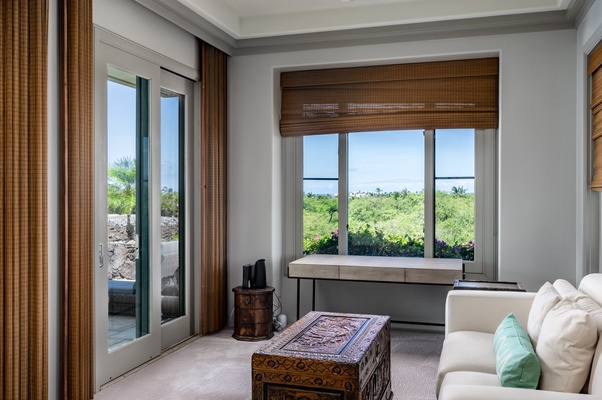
column 100, row 258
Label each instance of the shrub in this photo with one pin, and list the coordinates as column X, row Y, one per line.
column 367, row 241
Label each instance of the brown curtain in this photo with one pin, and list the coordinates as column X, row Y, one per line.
column 214, row 295
column 450, row 94
column 595, row 71
column 23, row 200
column 76, row 197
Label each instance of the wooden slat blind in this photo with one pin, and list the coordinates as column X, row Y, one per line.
column 595, row 70
column 447, row 94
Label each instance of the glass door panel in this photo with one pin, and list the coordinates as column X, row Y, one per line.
column 127, row 207
column 173, row 277
column 176, row 112
column 127, row 333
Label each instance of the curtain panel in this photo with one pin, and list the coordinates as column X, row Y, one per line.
column 446, row 94
column 595, row 71
column 23, row 200
column 214, row 295
column 77, row 198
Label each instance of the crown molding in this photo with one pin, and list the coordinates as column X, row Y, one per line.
column 533, row 22
column 188, row 20
column 185, row 18
column 577, row 10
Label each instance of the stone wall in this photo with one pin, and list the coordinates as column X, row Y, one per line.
column 121, row 250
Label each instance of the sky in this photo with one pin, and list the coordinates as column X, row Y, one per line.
column 121, row 124
column 390, row 161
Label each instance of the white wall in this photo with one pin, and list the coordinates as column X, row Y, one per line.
column 537, row 162
column 134, row 22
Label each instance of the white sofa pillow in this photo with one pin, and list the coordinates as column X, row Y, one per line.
column 566, row 347
column 546, row 298
column 566, row 289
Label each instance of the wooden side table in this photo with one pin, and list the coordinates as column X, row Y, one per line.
column 253, row 313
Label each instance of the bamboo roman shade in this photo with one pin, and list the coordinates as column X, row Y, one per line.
column 446, row 94
column 595, row 70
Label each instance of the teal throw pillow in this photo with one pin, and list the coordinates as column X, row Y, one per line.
column 517, row 364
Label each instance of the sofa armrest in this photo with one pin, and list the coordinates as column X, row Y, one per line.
column 477, row 392
column 482, row 311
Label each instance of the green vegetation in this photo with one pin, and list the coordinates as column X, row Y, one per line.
column 122, row 193
column 391, row 224
column 170, row 203
column 122, row 190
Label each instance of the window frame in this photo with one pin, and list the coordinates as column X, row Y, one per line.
column 485, row 258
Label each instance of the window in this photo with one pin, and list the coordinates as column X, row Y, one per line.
column 383, row 178
column 408, row 193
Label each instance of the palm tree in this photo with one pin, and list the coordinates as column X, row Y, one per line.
column 122, row 190
column 459, row 190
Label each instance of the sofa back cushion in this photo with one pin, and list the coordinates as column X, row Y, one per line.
column 546, row 298
column 592, row 286
column 566, row 289
column 566, row 348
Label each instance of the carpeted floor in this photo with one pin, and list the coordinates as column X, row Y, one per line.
column 217, row 367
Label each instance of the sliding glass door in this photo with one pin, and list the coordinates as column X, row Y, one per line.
column 142, row 277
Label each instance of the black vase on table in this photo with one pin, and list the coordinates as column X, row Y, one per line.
column 259, row 276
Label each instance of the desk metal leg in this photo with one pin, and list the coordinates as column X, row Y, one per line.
column 298, row 296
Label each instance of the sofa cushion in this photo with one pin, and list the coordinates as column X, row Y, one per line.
column 516, row 362
column 470, row 378
column 466, row 351
column 566, row 289
column 546, row 298
column 566, row 347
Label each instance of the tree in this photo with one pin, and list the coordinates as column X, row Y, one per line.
column 458, row 190
column 122, row 190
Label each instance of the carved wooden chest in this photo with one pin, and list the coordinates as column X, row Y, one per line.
column 326, row 356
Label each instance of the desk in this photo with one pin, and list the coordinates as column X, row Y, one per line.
column 432, row 271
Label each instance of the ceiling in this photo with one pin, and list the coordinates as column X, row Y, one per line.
column 243, row 19
column 256, row 26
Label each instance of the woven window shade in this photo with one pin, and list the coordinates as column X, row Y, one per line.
column 595, row 70
column 24, row 200
column 448, row 94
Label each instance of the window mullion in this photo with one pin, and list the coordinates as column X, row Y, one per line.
column 343, row 193
column 429, row 193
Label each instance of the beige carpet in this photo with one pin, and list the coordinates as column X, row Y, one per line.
column 217, row 367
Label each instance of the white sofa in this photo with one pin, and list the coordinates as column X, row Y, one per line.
column 467, row 369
